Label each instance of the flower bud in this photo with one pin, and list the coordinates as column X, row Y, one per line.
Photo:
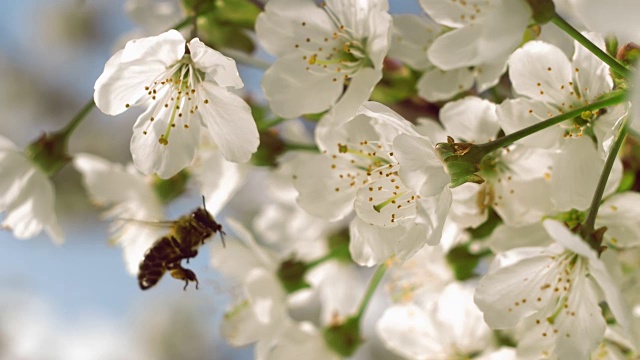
column 344, row 338
column 462, row 161
column 291, row 274
column 49, row 152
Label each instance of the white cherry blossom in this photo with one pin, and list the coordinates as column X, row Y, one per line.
column 358, row 169
column 26, row 196
column 186, row 86
column 516, row 178
column 551, row 85
column 411, row 38
column 447, row 327
column 131, row 200
column 553, row 292
column 319, row 51
column 483, row 31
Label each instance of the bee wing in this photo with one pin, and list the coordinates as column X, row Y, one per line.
column 163, row 224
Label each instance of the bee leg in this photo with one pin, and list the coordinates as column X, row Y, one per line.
column 192, row 254
column 180, row 273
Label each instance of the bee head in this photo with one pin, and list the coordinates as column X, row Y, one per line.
column 205, row 218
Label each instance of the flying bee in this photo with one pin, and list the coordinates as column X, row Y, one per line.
column 185, row 236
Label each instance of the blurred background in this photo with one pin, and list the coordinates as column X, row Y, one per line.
column 77, row 301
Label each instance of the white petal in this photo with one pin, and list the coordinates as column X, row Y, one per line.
column 358, row 91
column 433, row 212
column 411, row 36
column 339, row 283
column 470, row 119
column 466, row 327
column 218, row 67
column 520, row 113
column 591, row 74
column 241, row 327
column 431, row 129
column 33, row 208
column 542, row 72
column 612, row 294
column 522, row 202
column 501, row 292
column 225, row 259
column 504, row 237
column 576, row 171
column 567, row 239
column 280, row 27
column 493, row 37
column 292, row 90
column 150, row 156
column 438, row 85
column 371, row 245
column 297, row 340
column 317, row 181
column 229, row 121
column 580, row 334
column 132, row 197
column 408, row 331
column 218, row 178
column 620, row 214
column 610, row 17
column 128, row 71
column 387, row 122
column 465, row 209
column 450, row 13
column 420, row 169
column 488, row 74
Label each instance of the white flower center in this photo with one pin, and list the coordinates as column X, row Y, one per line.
column 342, row 52
column 174, row 94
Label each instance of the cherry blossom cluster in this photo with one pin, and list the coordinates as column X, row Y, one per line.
column 449, row 184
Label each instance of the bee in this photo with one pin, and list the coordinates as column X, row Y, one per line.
column 185, row 236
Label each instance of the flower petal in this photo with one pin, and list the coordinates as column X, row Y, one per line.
column 315, row 180
column 229, row 121
column 501, row 292
column 421, row 170
column 150, row 155
column 139, row 64
column 438, row 85
column 292, row 89
column 542, row 72
column 470, row 119
column 221, row 69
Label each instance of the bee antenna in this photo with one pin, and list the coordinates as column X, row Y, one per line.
column 203, row 203
column 222, row 234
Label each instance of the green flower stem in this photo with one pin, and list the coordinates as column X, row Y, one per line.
column 606, row 58
column 589, row 225
column 373, row 285
column 73, row 124
column 613, row 99
column 268, row 124
column 336, row 252
column 304, row 147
